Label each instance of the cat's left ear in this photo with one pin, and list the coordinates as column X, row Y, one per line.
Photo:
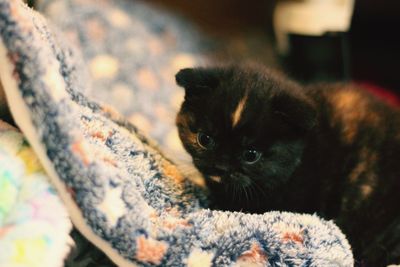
column 197, row 80
column 296, row 109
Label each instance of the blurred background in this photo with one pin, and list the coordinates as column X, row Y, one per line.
column 367, row 53
column 133, row 48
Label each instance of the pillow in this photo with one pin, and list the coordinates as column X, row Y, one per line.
column 122, row 194
column 34, row 224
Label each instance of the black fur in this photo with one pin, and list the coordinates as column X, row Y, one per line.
column 330, row 149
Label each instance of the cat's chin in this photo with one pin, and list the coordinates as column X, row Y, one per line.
column 229, row 180
column 228, row 195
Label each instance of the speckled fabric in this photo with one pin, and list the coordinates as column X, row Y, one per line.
column 133, row 52
column 120, row 191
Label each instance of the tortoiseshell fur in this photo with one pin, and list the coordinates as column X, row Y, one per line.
column 332, row 149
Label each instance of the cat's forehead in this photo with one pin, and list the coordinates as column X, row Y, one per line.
column 236, row 114
column 243, row 105
column 237, row 111
column 241, row 99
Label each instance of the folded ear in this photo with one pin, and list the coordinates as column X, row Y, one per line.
column 197, row 80
column 296, row 109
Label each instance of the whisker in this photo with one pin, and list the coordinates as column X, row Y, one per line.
column 241, row 192
column 247, row 196
column 260, row 189
column 255, row 193
column 237, row 190
column 251, row 189
column 234, row 191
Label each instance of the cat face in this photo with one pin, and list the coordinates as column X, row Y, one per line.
column 243, row 126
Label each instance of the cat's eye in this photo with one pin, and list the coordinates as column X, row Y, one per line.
column 251, row 156
column 205, row 141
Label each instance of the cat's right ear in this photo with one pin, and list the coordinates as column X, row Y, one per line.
column 197, row 81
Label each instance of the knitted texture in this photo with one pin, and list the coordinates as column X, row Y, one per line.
column 120, row 191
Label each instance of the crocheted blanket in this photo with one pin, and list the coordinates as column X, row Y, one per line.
column 120, row 191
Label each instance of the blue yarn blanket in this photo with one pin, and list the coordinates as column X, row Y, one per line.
column 120, row 191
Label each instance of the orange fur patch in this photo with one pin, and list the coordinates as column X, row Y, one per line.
column 349, row 109
column 216, row 178
column 184, row 120
column 366, row 190
column 237, row 114
column 367, row 161
column 365, row 170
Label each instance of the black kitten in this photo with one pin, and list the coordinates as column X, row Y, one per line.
column 265, row 143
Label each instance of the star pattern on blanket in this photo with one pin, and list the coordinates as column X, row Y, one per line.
column 112, row 205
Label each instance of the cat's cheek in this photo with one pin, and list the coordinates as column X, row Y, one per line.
column 245, row 182
column 188, row 139
column 255, row 170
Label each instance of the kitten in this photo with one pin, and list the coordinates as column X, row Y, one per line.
column 264, row 142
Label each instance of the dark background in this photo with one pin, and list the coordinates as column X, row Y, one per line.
column 374, row 44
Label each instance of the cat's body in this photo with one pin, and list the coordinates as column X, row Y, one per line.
column 265, row 143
